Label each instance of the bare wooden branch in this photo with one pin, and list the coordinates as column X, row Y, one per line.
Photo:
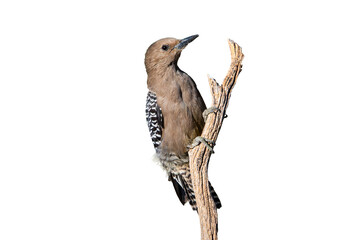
column 200, row 155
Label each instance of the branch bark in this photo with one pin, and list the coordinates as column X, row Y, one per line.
column 200, row 155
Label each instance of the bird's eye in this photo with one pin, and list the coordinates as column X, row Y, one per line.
column 165, row 47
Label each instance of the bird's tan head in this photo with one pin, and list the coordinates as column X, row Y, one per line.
column 165, row 52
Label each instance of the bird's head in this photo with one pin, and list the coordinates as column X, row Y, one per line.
column 165, row 52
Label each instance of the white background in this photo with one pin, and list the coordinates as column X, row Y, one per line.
column 75, row 153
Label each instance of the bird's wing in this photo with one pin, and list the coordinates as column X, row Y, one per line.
column 154, row 118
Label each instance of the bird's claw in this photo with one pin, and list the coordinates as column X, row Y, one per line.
column 211, row 109
column 207, row 142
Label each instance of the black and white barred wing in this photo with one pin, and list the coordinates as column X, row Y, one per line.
column 154, row 118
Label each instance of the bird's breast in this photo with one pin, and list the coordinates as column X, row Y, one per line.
column 181, row 123
column 182, row 107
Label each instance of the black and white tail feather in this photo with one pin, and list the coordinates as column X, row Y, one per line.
column 184, row 190
column 179, row 174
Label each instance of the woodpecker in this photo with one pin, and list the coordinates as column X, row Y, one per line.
column 174, row 114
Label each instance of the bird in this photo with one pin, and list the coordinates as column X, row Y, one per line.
column 174, row 113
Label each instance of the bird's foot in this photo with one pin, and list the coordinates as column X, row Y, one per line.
column 211, row 109
column 207, row 142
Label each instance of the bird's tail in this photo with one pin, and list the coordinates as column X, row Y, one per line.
column 214, row 196
column 185, row 192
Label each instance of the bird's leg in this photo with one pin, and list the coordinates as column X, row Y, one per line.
column 211, row 109
column 206, row 142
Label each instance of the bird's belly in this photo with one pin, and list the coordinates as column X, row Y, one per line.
column 180, row 128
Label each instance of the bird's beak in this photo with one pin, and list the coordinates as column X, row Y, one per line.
column 184, row 42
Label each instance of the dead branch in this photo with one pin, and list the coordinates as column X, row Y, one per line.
column 200, row 155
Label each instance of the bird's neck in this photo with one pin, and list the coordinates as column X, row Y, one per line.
column 168, row 76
